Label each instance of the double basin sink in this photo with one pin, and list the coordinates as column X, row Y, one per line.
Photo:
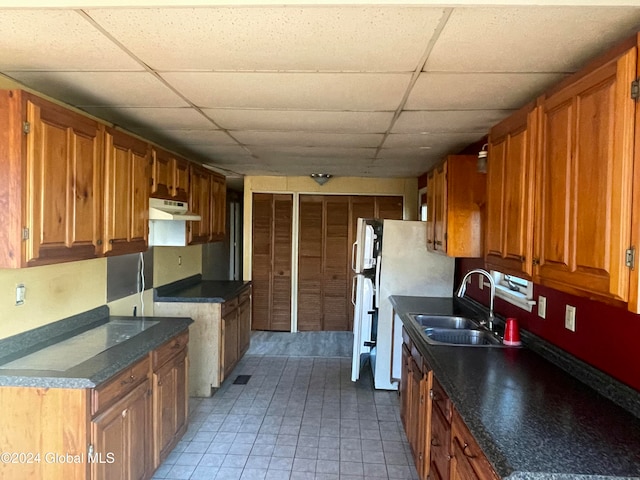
column 455, row 331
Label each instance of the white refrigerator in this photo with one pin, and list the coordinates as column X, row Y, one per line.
column 390, row 257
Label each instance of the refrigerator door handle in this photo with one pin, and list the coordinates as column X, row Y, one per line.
column 377, row 286
column 353, row 290
column 353, row 256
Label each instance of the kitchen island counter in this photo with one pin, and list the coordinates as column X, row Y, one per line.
column 33, row 358
column 532, row 418
column 195, row 290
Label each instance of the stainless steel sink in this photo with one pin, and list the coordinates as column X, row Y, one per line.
column 461, row 337
column 444, row 321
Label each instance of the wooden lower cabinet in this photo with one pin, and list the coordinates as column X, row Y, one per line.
column 229, row 341
column 441, row 444
column 220, row 336
column 118, row 430
column 468, row 462
column 120, row 447
column 170, row 403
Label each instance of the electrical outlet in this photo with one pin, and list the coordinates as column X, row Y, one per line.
column 481, row 280
column 570, row 318
column 20, row 291
column 542, row 306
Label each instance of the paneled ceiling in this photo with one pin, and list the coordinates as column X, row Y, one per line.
column 289, row 89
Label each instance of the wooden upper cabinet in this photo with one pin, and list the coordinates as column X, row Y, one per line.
column 50, row 182
column 126, row 193
column 200, row 203
column 169, row 176
column 585, row 181
column 510, row 193
column 456, row 196
column 218, row 207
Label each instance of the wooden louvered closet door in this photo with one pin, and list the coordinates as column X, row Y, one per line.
column 271, row 261
column 327, row 232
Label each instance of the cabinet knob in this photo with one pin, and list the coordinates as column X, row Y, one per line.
column 131, row 379
column 467, row 453
column 99, row 241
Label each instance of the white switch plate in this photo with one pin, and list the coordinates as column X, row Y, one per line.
column 542, row 306
column 20, row 291
column 570, row 318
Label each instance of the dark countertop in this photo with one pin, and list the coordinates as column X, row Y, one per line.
column 97, row 368
column 531, row 418
column 196, row 290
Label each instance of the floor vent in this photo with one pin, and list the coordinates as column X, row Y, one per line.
column 241, row 379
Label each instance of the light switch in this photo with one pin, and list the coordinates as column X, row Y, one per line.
column 570, row 318
column 542, row 306
column 20, row 291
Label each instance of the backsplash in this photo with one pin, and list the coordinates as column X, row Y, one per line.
column 605, row 337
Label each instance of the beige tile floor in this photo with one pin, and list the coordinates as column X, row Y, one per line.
column 297, row 418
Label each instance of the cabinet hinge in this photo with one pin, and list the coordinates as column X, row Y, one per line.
column 630, row 257
column 635, row 89
column 25, row 234
column 90, row 450
column 26, row 127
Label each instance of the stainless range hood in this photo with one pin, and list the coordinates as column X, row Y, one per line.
column 168, row 222
column 160, row 209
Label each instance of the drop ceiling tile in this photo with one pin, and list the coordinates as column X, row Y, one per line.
column 195, row 137
column 98, row 89
column 56, row 40
column 404, row 154
column 308, row 139
column 152, row 118
column 296, row 91
column 275, row 38
column 455, row 121
column 476, row 91
column 529, row 38
column 267, row 152
column 432, row 140
column 315, row 121
column 217, row 155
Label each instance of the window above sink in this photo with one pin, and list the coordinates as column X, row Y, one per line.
column 515, row 290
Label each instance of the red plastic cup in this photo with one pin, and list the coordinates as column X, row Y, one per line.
column 512, row 333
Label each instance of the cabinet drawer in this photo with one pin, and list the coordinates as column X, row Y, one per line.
column 114, row 389
column 229, row 306
column 166, row 351
column 244, row 296
column 467, row 453
column 441, row 400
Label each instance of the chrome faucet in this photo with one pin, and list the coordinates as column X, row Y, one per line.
column 463, row 287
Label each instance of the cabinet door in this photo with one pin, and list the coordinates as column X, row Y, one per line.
column 170, row 399
column 230, row 341
column 180, row 179
column 200, row 203
column 161, row 174
column 469, row 461
column 440, row 209
column 585, row 180
column 431, row 210
column 440, row 445
column 510, row 197
column 404, row 388
column 126, row 196
column 244, row 326
column 120, row 438
column 218, row 207
column 63, row 185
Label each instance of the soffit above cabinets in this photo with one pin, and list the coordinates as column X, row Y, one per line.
column 292, row 88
